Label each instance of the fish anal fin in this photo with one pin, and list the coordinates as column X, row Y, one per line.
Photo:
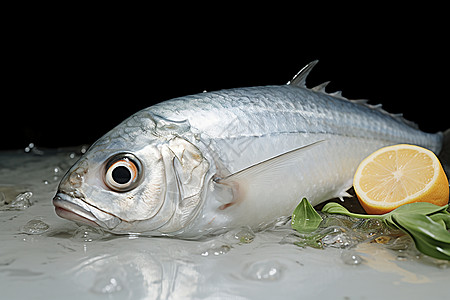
column 343, row 195
column 259, row 175
column 342, row 192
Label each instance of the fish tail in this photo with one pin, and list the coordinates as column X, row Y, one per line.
column 444, row 155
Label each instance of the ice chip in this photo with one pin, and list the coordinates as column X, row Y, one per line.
column 21, row 202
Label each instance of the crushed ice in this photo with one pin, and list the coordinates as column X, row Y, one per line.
column 21, row 202
column 347, row 233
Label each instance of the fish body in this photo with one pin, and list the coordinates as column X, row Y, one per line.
column 205, row 163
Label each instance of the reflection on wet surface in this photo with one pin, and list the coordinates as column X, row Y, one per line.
column 55, row 258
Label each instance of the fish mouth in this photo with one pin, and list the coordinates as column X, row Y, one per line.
column 77, row 210
column 70, row 211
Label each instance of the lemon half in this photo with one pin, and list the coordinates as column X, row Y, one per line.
column 397, row 175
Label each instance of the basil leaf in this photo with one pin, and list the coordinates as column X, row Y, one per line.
column 429, row 236
column 425, row 226
column 336, row 208
column 442, row 218
column 430, row 249
column 305, row 218
column 423, row 208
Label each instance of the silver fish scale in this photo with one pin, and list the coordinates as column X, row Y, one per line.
column 260, row 111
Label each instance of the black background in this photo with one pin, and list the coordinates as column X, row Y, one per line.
column 69, row 78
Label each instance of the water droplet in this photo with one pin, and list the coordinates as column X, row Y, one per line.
column 84, row 148
column 337, row 239
column 29, row 147
column 267, row 270
column 87, row 233
column 216, row 251
column 35, row 226
column 72, row 155
column 45, row 182
column 401, row 243
column 351, row 258
column 245, row 235
column 402, row 258
column 107, row 285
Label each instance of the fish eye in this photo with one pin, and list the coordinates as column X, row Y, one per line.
column 122, row 172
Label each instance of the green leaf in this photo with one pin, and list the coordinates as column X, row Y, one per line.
column 430, row 237
column 442, row 218
column 431, row 249
column 425, row 226
column 423, row 208
column 336, row 208
column 426, row 223
column 305, row 218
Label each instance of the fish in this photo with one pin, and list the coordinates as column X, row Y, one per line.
column 206, row 163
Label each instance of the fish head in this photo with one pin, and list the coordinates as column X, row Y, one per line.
column 134, row 182
column 113, row 187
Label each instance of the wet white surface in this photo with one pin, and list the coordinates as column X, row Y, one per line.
column 45, row 257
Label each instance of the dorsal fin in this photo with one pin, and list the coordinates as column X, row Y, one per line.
column 321, row 87
column 300, row 78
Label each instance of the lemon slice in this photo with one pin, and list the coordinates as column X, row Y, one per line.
column 397, row 175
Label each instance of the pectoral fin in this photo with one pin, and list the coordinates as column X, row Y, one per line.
column 263, row 173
